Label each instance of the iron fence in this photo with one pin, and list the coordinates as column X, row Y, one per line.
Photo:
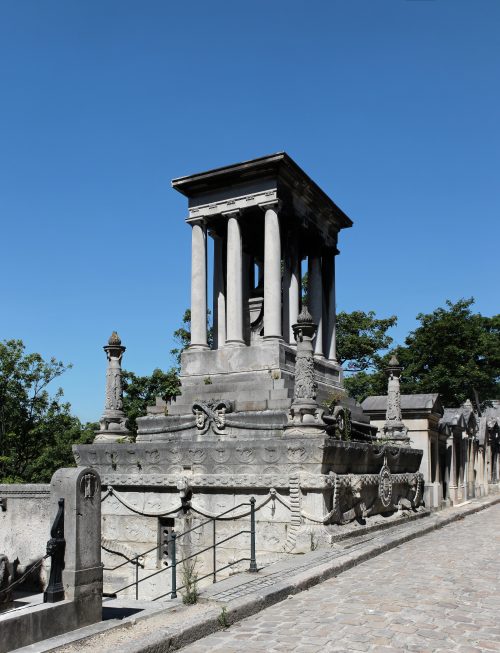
column 174, row 562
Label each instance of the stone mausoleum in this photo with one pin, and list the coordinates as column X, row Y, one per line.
column 262, row 410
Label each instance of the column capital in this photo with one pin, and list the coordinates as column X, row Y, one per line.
column 200, row 221
column 233, row 213
column 271, row 204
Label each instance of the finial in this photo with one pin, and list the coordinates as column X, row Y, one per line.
column 114, row 339
column 304, row 316
column 394, row 361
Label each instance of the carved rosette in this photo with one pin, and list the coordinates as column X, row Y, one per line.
column 385, row 485
column 113, row 423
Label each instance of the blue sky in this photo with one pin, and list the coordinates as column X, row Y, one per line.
column 392, row 106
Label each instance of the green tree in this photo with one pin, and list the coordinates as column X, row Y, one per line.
column 455, row 352
column 360, row 338
column 36, row 427
column 182, row 335
column 139, row 392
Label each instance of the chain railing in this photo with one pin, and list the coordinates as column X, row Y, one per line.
column 171, row 543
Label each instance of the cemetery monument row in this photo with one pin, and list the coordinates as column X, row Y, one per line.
column 262, row 410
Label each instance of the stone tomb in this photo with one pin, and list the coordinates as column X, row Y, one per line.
column 262, row 411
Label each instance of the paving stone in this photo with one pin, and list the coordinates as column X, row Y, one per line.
column 438, row 594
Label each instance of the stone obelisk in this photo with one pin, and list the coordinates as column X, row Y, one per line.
column 113, row 423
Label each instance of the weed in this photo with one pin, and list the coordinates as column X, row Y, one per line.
column 190, row 582
column 222, row 618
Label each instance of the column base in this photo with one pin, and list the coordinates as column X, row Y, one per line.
column 198, row 347
column 235, row 343
column 276, row 338
column 113, row 436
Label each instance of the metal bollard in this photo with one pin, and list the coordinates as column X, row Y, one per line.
column 137, row 578
column 253, row 562
column 214, row 554
column 173, row 593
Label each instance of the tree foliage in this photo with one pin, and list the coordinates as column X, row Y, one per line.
column 139, row 392
column 360, row 338
column 36, row 427
column 453, row 351
column 182, row 335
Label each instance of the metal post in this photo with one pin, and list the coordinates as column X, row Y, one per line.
column 253, row 562
column 137, row 578
column 56, row 547
column 173, row 593
column 214, row 559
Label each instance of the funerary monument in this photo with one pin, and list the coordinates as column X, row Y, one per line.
column 262, row 410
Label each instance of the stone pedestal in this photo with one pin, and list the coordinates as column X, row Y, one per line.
column 80, row 488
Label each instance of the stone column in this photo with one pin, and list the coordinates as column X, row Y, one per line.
column 219, row 296
column 291, row 287
column 272, row 271
column 453, row 470
column 285, row 315
column 438, row 494
column 113, row 423
column 198, row 286
column 315, row 293
column 247, row 287
column 234, row 272
column 330, row 317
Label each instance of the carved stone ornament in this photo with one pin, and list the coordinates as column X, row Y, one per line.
column 211, row 415
column 304, row 416
column 394, row 427
column 89, row 486
column 385, row 485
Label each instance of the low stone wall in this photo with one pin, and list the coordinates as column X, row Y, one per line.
column 23, row 627
column 24, row 521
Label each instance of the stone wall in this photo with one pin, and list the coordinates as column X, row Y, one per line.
column 24, row 521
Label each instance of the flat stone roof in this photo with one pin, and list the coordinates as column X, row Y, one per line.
column 273, row 172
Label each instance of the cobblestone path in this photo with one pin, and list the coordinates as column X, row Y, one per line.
column 440, row 592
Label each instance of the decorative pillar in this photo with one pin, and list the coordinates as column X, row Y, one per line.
column 272, row 271
column 219, row 297
column 234, row 272
column 394, row 429
column 315, row 292
column 330, row 314
column 113, row 423
column 304, row 417
column 198, row 286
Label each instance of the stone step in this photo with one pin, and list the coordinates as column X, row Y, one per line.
column 283, row 393
column 218, row 387
column 256, row 394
